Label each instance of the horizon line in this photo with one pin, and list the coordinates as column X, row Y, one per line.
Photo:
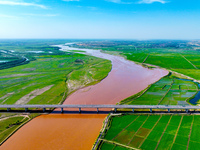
column 145, row 39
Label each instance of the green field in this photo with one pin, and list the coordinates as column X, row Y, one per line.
column 151, row 132
column 167, row 91
column 9, row 123
column 182, row 62
column 50, row 78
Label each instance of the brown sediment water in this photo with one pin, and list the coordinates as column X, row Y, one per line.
column 57, row 132
column 125, row 79
column 79, row 131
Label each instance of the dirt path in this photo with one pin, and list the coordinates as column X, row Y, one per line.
column 4, row 118
column 189, row 62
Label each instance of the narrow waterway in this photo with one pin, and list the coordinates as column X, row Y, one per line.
column 196, row 98
column 79, row 131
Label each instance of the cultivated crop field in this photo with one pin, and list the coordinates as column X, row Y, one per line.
column 167, row 91
column 152, row 132
column 185, row 63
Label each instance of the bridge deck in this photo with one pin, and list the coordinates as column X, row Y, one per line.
column 105, row 106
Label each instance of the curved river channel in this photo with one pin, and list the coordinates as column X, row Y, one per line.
column 75, row 131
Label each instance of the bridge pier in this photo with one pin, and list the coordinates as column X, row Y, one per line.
column 133, row 109
column 150, row 110
column 168, row 110
column 61, row 110
column 79, row 110
column 97, row 110
column 186, row 110
column 26, row 109
column 44, row 109
column 8, row 109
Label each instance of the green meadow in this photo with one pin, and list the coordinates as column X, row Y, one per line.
column 50, row 78
column 151, row 132
column 184, row 62
column 9, row 123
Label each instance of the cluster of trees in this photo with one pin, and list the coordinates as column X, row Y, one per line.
column 13, row 63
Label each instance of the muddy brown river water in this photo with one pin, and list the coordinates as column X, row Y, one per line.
column 79, row 131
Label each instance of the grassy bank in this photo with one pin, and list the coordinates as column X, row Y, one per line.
column 49, row 79
column 167, row 91
column 10, row 123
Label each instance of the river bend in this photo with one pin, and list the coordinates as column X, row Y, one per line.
column 79, row 131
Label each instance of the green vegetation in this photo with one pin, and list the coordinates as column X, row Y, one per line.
column 49, row 78
column 168, row 91
column 9, row 123
column 151, row 132
column 185, row 62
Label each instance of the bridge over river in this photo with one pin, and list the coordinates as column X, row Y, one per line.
column 115, row 107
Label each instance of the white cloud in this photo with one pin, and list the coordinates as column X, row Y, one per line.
column 118, row 1
column 152, row 1
column 2, row 2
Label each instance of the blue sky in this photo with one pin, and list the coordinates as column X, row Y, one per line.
column 100, row 19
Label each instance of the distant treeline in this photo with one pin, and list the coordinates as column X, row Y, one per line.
column 13, row 63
